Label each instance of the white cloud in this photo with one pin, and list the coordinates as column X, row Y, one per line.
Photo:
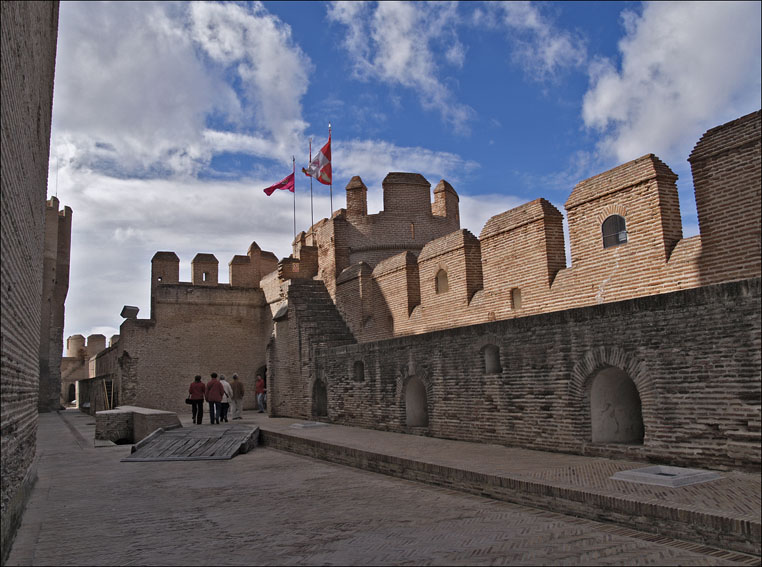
column 373, row 159
column 686, row 67
column 259, row 47
column 539, row 47
column 137, row 83
column 398, row 42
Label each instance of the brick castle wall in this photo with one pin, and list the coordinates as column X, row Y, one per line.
column 694, row 357
column 55, row 286
column 517, row 266
column 196, row 327
column 28, row 50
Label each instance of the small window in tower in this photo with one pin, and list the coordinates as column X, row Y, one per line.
column 412, row 231
column 614, row 231
column 158, row 279
column 441, row 285
column 205, row 276
column 516, row 298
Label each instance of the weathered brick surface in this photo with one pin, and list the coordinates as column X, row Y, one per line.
column 726, row 157
column 29, row 33
column 521, row 252
column 196, row 328
column 694, row 357
column 129, row 423
column 55, row 286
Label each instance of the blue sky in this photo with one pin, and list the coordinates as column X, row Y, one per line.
column 170, row 118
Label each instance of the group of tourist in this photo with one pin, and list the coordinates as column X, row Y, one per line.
column 221, row 395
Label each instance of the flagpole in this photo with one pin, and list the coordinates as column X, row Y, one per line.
column 312, row 212
column 329, row 137
column 293, row 171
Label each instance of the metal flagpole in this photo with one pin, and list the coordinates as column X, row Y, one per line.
column 329, row 137
column 312, row 213
column 293, row 171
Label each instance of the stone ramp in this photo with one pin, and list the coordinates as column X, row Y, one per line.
column 199, row 443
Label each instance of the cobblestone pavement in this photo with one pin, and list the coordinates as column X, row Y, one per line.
column 269, row 507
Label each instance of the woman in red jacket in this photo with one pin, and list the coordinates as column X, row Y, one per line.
column 197, row 390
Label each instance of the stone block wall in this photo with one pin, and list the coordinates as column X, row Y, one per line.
column 28, row 51
column 693, row 356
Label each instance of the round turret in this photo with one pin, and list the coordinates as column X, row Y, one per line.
column 74, row 345
column 95, row 344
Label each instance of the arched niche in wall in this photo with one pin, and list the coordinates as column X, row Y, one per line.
column 358, row 371
column 72, row 394
column 615, row 408
column 441, row 284
column 319, row 399
column 416, row 404
column 491, row 354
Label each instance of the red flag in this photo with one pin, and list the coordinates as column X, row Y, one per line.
column 320, row 167
column 285, row 183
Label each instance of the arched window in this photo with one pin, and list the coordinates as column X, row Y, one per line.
column 614, row 231
column 492, row 359
column 441, row 284
column 359, row 371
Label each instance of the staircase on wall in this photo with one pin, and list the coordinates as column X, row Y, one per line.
column 319, row 321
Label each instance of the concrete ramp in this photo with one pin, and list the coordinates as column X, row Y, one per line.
column 196, row 443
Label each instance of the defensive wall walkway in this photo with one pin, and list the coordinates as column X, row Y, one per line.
column 270, row 506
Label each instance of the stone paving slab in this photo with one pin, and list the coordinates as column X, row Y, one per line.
column 273, row 508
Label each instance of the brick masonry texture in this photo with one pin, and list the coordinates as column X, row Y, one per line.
column 29, row 34
column 55, row 286
column 694, row 357
column 196, row 327
column 356, row 281
column 693, row 362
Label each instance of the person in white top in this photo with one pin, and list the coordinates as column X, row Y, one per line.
column 226, row 397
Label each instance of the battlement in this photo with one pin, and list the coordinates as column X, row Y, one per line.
column 627, row 175
column 245, row 271
column 625, row 234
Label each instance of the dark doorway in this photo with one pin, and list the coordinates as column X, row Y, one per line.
column 416, row 406
column 319, row 399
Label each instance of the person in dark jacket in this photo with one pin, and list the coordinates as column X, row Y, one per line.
column 214, row 393
column 197, row 390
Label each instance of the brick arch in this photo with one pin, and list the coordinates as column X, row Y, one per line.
column 609, row 210
column 581, row 380
column 403, row 378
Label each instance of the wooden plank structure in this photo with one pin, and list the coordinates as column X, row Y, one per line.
column 195, row 443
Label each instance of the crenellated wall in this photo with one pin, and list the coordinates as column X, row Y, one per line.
column 196, row 327
column 517, row 266
column 528, row 351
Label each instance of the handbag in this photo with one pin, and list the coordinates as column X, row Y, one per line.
column 188, row 400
